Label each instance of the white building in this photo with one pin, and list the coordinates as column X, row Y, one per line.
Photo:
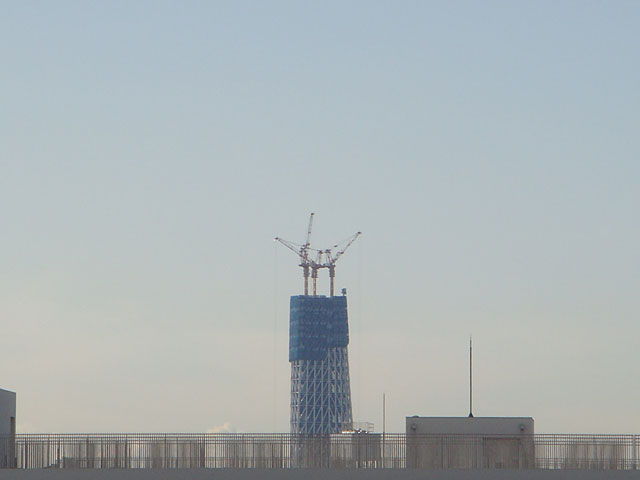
column 470, row 442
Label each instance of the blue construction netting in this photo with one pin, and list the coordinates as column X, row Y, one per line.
column 317, row 323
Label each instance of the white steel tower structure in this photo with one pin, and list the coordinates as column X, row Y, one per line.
column 320, row 389
column 318, row 341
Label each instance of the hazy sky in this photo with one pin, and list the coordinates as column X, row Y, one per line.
column 151, row 150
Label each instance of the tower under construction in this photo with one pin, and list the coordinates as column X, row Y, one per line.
column 318, row 341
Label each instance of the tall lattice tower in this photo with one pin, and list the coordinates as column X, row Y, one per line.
column 318, row 342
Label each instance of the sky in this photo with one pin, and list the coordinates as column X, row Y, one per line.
column 150, row 151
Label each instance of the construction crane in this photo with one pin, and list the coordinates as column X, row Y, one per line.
column 323, row 258
column 331, row 259
column 303, row 252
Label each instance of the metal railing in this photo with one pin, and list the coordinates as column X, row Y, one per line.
column 361, row 450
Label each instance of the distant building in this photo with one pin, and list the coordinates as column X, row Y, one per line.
column 470, row 442
column 7, row 412
column 7, row 428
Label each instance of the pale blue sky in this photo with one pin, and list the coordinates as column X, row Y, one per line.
column 150, row 151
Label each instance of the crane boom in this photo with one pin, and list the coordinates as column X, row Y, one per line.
column 331, row 259
column 307, row 243
column 290, row 245
column 349, row 243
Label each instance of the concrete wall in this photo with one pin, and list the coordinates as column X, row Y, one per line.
column 470, row 426
column 7, row 411
column 304, row 474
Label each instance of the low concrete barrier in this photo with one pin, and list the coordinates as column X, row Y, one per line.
column 314, row 474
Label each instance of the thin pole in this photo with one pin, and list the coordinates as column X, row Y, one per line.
column 470, row 377
column 384, row 424
column 275, row 338
column 384, row 412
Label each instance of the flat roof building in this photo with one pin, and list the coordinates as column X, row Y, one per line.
column 470, row 442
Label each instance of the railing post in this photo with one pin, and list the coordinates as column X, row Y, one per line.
column 520, row 454
column 12, row 444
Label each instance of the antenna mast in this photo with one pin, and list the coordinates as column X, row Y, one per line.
column 470, row 378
